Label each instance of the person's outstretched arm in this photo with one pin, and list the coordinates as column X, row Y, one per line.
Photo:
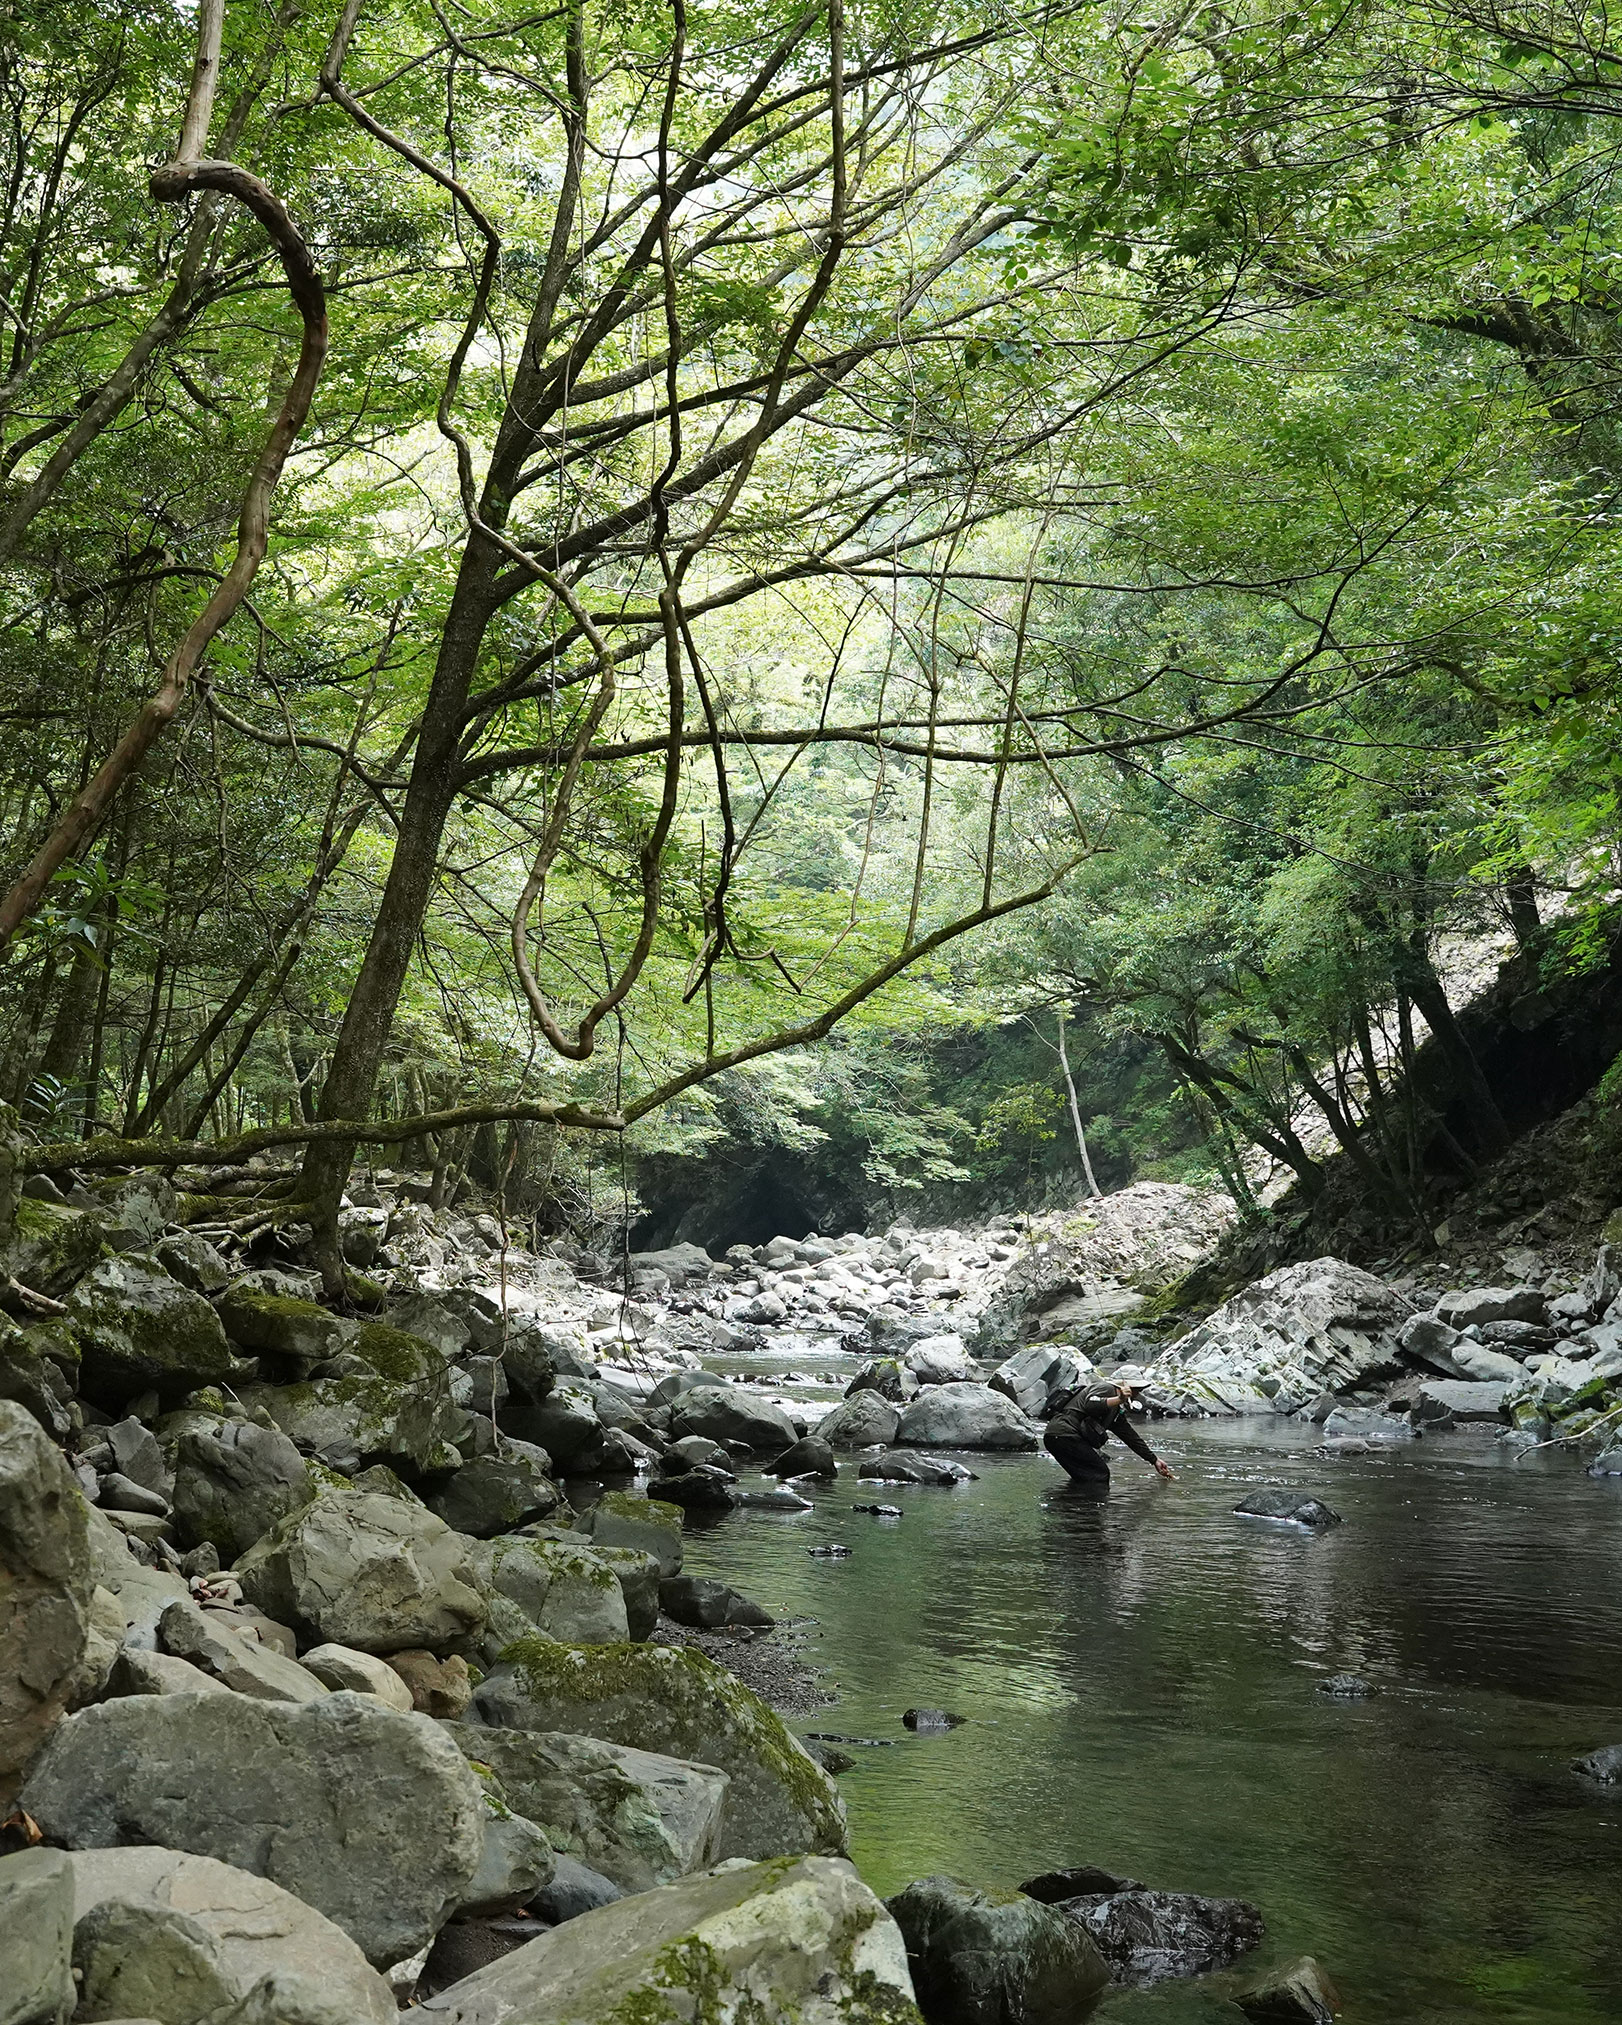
column 1122, row 1426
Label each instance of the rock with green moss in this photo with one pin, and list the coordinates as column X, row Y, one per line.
column 357, row 1568
column 626, row 1519
column 637, row 1817
column 367, row 1417
column 46, row 1579
column 37, row 1369
column 983, row 1957
column 141, row 1331
column 496, row 1494
column 673, row 1700
column 638, row 1575
column 557, row 1588
column 279, row 1326
column 50, row 1246
column 799, row 1942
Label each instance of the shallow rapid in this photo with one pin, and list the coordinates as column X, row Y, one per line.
column 1141, row 1682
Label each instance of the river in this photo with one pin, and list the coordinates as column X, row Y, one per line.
column 1141, row 1686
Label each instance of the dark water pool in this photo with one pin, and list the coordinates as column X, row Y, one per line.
column 1141, row 1677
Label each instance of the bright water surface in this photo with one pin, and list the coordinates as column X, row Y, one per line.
column 1140, row 1679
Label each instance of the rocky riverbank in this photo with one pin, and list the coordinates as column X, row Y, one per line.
column 350, row 1658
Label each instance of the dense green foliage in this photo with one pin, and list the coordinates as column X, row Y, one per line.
column 875, row 524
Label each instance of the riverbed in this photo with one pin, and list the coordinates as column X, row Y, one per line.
column 1141, row 1683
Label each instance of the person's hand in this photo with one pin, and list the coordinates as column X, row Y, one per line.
column 1167, row 1472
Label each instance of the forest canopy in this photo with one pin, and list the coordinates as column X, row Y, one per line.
column 552, row 561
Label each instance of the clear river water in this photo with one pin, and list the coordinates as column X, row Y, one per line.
column 1140, row 1682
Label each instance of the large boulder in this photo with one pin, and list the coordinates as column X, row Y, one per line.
column 496, row 1493
column 372, row 1817
column 36, row 1938
column 994, row 1957
column 940, row 1360
column 234, row 1482
column 675, row 1701
column 566, row 1423
column 282, row 1326
column 1034, row 1377
column 141, row 1331
column 157, row 1928
column 1470, row 1305
column 865, row 1420
column 1322, row 1326
column 38, row 1369
column 625, row 1519
column 369, row 1416
column 1445, row 1401
column 732, row 1415
column 637, row 1817
column 559, row 1589
column 365, row 1569
column 965, row 1416
column 241, row 1664
column 805, row 1942
column 46, row 1582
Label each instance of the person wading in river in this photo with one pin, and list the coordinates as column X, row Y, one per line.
column 1082, row 1420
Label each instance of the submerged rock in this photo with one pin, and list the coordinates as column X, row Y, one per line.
column 931, row 1719
column 901, row 1468
column 1603, row 1766
column 992, row 1957
column 371, row 1817
column 1152, row 1936
column 1288, row 1508
column 804, row 1941
column 1301, row 1994
column 1347, row 1687
column 674, row 1701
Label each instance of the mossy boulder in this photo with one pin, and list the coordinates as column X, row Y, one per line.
column 792, row 1943
column 280, row 1326
column 635, row 1817
column 46, row 1580
column 37, row 1370
column 979, row 1956
column 141, row 1331
column 365, row 1417
column 235, row 1480
column 495, row 1494
column 358, row 1568
column 558, row 1588
column 673, row 1700
column 625, row 1519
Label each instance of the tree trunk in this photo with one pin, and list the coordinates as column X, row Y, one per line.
column 1093, row 1188
column 1486, row 1120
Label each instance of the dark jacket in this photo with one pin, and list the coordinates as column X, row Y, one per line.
column 1085, row 1414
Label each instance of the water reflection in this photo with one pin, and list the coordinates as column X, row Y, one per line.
column 1141, row 1672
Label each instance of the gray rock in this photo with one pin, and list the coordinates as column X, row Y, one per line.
column 1288, row 1507
column 992, row 1957
column 281, row 1326
column 811, row 1456
column 888, row 1377
column 941, row 1360
column 697, row 1490
column 1485, row 1365
column 575, row 1889
column 865, row 1420
column 555, row 1588
column 359, row 1568
column 139, row 1458
column 1492, row 1304
column 778, row 1498
column 1034, row 1377
column 373, row 1818
column 681, row 1705
column 517, row 1860
column 140, row 1331
column 965, row 1416
column 120, row 1493
column 622, row 1519
column 369, row 1416
column 638, row 1577
column 695, row 1449
column 1603, row 1766
column 194, row 1262
column 45, row 1591
column 494, row 1494
column 232, row 1484
column 241, row 1664
column 137, row 1672
column 567, row 1425
column 734, row 1416
column 639, row 1818
column 1455, row 1399
column 805, row 1941
column 157, row 1928
column 1300, row 1994
column 700, row 1600
column 36, row 1930
column 1366, row 1424
column 677, row 1384
column 31, row 1377
column 1432, row 1344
